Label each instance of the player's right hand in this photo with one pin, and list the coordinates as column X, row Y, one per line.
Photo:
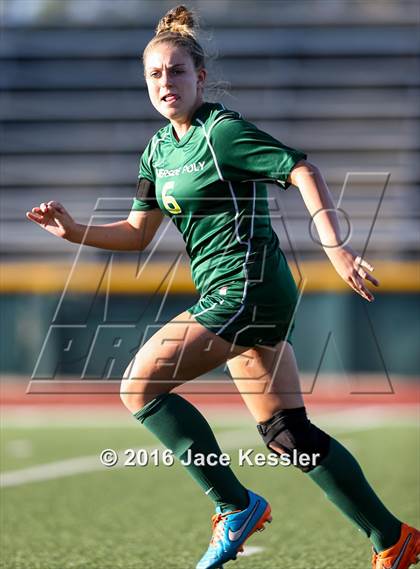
column 54, row 218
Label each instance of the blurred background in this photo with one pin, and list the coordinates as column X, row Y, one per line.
column 338, row 79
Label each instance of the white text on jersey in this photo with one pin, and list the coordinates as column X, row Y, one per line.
column 187, row 169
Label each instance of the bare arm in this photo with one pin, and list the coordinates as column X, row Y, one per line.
column 131, row 234
column 316, row 195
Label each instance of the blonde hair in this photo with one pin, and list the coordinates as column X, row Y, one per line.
column 179, row 27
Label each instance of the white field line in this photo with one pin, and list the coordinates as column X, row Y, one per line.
column 251, row 550
column 360, row 418
column 83, row 464
column 341, row 421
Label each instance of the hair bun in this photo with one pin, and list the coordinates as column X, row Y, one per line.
column 179, row 20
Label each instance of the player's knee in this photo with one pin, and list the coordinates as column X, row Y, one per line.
column 131, row 398
column 290, row 432
column 134, row 393
column 133, row 389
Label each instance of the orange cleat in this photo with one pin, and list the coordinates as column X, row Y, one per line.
column 404, row 554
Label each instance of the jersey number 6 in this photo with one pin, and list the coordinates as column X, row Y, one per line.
column 170, row 202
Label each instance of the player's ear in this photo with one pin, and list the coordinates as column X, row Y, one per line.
column 201, row 77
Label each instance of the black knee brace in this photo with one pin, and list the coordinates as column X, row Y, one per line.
column 290, row 432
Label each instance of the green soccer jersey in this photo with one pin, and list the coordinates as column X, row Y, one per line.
column 211, row 184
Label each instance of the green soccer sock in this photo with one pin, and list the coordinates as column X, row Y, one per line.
column 342, row 480
column 182, row 428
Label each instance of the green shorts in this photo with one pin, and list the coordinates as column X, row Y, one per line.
column 258, row 310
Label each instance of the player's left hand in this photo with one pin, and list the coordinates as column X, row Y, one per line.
column 353, row 270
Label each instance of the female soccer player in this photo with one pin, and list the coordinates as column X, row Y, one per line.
column 205, row 170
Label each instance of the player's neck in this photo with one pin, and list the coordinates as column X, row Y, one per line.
column 182, row 125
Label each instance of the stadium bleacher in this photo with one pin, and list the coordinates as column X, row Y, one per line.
column 337, row 79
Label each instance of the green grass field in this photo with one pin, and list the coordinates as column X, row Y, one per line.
column 155, row 517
